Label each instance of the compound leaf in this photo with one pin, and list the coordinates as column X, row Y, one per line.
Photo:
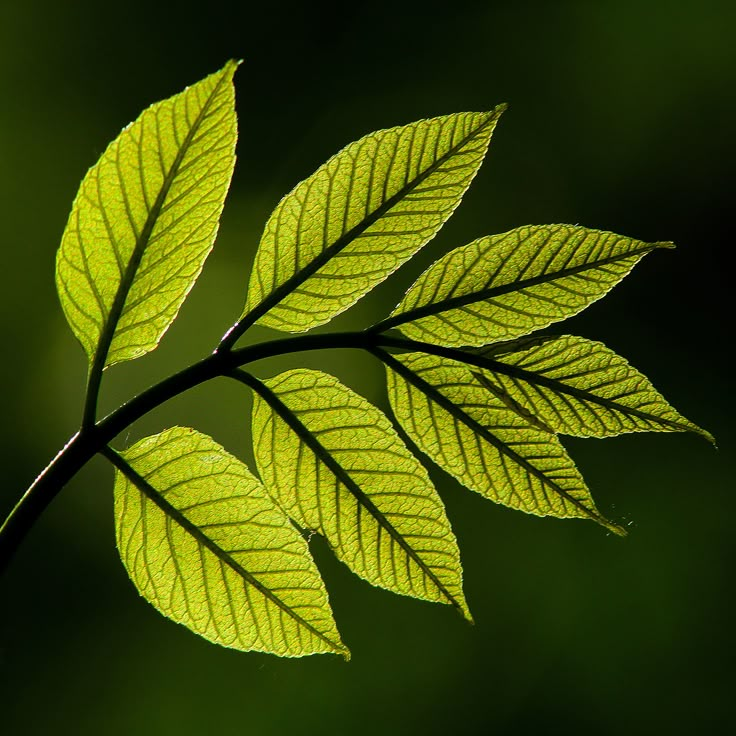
column 204, row 543
column 145, row 219
column 504, row 286
column 335, row 464
column 580, row 387
column 360, row 216
column 474, row 435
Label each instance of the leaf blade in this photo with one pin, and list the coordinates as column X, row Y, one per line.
column 336, row 465
column 488, row 447
column 580, row 387
column 504, row 286
column 145, row 220
column 207, row 547
column 370, row 208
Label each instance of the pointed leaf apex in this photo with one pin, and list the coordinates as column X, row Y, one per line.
column 617, row 529
column 360, row 216
column 495, row 113
column 144, row 221
column 320, row 429
column 705, row 434
column 455, row 303
column 665, row 244
column 232, row 569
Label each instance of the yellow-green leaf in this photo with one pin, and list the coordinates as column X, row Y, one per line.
column 206, row 545
column 486, row 445
column 580, row 387
column 145, row 219
column 504, row 286
column 360, row 216
column 335, row 464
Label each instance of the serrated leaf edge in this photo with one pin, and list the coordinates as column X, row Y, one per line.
column 428, row 390
column 396, row 319
column 304, row 434
column 171, row 511
column 283, row 290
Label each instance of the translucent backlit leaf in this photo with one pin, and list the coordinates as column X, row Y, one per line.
column 206, row 545
column 360, row 216
column 145, row 219
column 580, row 387
column 504, row 286
column 336, row 465
column 476, row 437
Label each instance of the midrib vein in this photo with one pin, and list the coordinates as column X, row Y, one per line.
column 305, row 435
column 172, row 512
column 143, row 239
column 280, row 292
column 514, row 286
column 457, row 412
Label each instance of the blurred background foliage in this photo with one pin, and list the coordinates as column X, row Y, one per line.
column 621, row 117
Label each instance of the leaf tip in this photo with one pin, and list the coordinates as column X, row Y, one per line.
column 705, row 434
column 495, row 113
column 231, row 66
column 665, row 244
column 461, row 606
column 617, row 529
column 686, row 426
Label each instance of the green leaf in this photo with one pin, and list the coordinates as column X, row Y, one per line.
column 508, row 400
column 360, row 216
column 145, row 219
column 487, row 446
column 504, row 286
column 580, row 387
column 205, row 544
column 335, row 464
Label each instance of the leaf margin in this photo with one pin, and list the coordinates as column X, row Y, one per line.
column 102, row 327
column 132, row 478
column 407, row 318
column 260, row 310
column 323, row 455
column 391, row 363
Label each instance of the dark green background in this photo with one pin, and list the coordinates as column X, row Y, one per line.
column 621, row 117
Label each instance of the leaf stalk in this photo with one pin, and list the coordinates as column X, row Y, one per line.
column 92, row 438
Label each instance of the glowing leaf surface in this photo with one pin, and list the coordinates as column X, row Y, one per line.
column 504, row 286
column 360, row 216
column 205, row 544
column 145, row 219
column 473, row 434
column 336, row 465
column 580, row 387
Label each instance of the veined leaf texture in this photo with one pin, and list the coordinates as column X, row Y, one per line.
column 471, row 384
column 581, row 387
column 145, row 220
column 206, row 545
column 361, row 215
column 336, row 465
column 490, row 448
column 504, row 286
